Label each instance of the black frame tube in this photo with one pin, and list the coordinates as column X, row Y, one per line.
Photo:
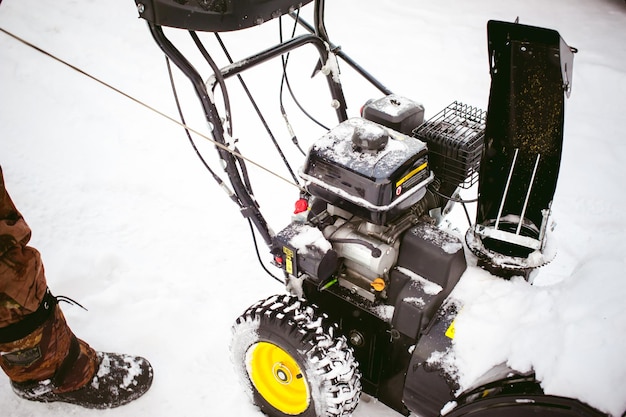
column 320, row 30
column 249, row 207
column 335, row 88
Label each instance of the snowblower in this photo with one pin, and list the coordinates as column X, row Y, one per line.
column 367, row 266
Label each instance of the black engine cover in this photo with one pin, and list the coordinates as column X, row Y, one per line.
column 377, row 178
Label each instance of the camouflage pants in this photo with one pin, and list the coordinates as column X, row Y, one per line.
column 35, row 340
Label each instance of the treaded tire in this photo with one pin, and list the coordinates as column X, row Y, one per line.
column 294, row 329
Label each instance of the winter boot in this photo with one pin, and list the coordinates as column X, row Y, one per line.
column 119, row 380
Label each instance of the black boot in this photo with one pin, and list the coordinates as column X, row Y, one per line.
column 119, row 380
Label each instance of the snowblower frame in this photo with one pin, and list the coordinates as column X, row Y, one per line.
column 311, row 353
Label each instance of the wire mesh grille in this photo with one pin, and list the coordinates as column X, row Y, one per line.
column 455, row 139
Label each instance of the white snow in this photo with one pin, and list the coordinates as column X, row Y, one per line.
column 130, row 224
column 416, row 301
column 427, row 286
column 395, row 106
column 385, row 312
column 309, row 237
column 448, row 242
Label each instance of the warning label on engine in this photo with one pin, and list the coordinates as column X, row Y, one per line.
column 451, row 330
column 289, row 266
column 411, row 174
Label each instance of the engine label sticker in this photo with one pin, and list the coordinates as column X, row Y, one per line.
column 451, row 330
column 411, row 174
column 288, row 260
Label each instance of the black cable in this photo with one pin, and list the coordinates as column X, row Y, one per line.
column 218, row 76
column 285, row 81
column 191, row 141
column 258, row 112
column 295, row 100
column 457, row 200
column 454, row 199
column 258, row 255
column 284, row 60
column 467, row 216
column 376, row 253
column 222, row 83
column 373, row 249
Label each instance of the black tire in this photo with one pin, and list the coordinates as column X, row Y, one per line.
column 293, row 361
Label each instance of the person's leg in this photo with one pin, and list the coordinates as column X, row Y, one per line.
column 41, row 356
column 22, row 279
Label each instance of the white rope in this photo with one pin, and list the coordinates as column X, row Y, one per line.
column 147, row 106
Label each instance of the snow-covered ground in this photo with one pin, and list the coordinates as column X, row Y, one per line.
column 132, row 226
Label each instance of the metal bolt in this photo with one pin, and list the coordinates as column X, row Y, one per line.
column 141, row 8
column 281, row 375
column 356, row 338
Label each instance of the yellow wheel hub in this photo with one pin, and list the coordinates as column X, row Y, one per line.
column 278, row 378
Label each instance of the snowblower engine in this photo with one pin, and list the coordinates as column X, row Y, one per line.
column 370, row 181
